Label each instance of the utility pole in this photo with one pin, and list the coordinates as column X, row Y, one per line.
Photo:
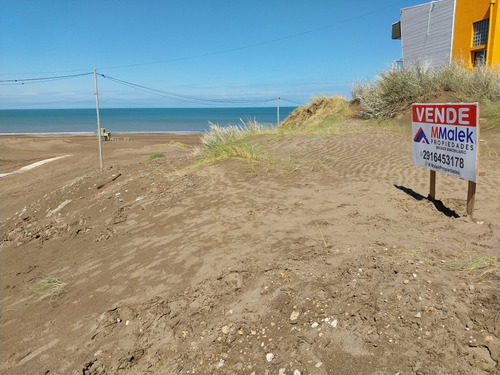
column 98, row 119
column 278, row 110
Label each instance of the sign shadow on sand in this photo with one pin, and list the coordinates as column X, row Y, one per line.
column 437, row 203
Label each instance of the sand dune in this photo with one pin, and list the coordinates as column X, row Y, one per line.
column 330, row 258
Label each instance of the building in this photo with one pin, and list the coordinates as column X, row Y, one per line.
column 436, row 33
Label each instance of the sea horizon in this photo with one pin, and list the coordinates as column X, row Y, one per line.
column 132, row 120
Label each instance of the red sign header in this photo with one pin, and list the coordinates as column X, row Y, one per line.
column 445, row 114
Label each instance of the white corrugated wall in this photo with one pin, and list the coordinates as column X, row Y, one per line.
column 426, row 33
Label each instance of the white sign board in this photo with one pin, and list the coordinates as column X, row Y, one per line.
column 445, row 138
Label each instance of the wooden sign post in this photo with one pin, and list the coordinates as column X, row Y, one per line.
column 471, row 197
column 432, row 186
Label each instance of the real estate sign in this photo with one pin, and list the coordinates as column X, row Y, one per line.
column 445, row 138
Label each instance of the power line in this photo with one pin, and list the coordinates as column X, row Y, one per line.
column 290, row 101
column 23, row 81
column 150, row 90
column 187, row 98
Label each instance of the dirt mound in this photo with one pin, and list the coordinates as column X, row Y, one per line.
column 320, row 110
column 337, row 266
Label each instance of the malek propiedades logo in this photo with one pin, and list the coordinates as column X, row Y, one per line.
column 420, row 137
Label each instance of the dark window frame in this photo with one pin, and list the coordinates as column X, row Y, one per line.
column 480, row 32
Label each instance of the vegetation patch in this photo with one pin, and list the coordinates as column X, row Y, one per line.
column 48, row 287
column 393, row 91
column 177, row 144
column 156, row 156
column 222, row 143
column 472, row 264
column 490, row 110
column 318, row 116
column 218, row 135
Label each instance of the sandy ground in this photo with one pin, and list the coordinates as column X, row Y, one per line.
column 327, row 260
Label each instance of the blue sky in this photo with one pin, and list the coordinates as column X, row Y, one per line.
column 252, row 50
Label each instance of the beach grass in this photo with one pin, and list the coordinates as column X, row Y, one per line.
column 490, row 110
column 472, row 264
column 48, row 287
column 177, row 144
column 393, row 91
column 322, row 115
column 244, row 143
column 221, row 143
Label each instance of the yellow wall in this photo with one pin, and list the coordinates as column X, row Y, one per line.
column 470, row 11
column 494, row 37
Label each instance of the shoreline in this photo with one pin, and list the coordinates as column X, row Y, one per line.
column 94, row 134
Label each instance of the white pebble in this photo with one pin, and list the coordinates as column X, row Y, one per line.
column 269, row 357
column 314, row 325
column 294, row 315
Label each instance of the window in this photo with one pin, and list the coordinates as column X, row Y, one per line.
column 479, row 57
column 480, row 37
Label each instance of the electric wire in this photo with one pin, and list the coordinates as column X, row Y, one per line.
column 187, row 98
column 291, row 101
column 163, row 93
column 5, row 82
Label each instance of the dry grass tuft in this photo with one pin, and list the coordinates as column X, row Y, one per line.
column 218, row 135
column 48, row 288
column 316, row 116
column 472, row 264
column 221, row 143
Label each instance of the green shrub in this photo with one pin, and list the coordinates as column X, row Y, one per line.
column 395, row 90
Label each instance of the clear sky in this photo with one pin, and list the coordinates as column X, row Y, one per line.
column 224, row 52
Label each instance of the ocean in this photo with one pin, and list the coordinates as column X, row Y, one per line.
column 131, row 120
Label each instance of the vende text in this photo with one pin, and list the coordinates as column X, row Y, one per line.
column 446, row 114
